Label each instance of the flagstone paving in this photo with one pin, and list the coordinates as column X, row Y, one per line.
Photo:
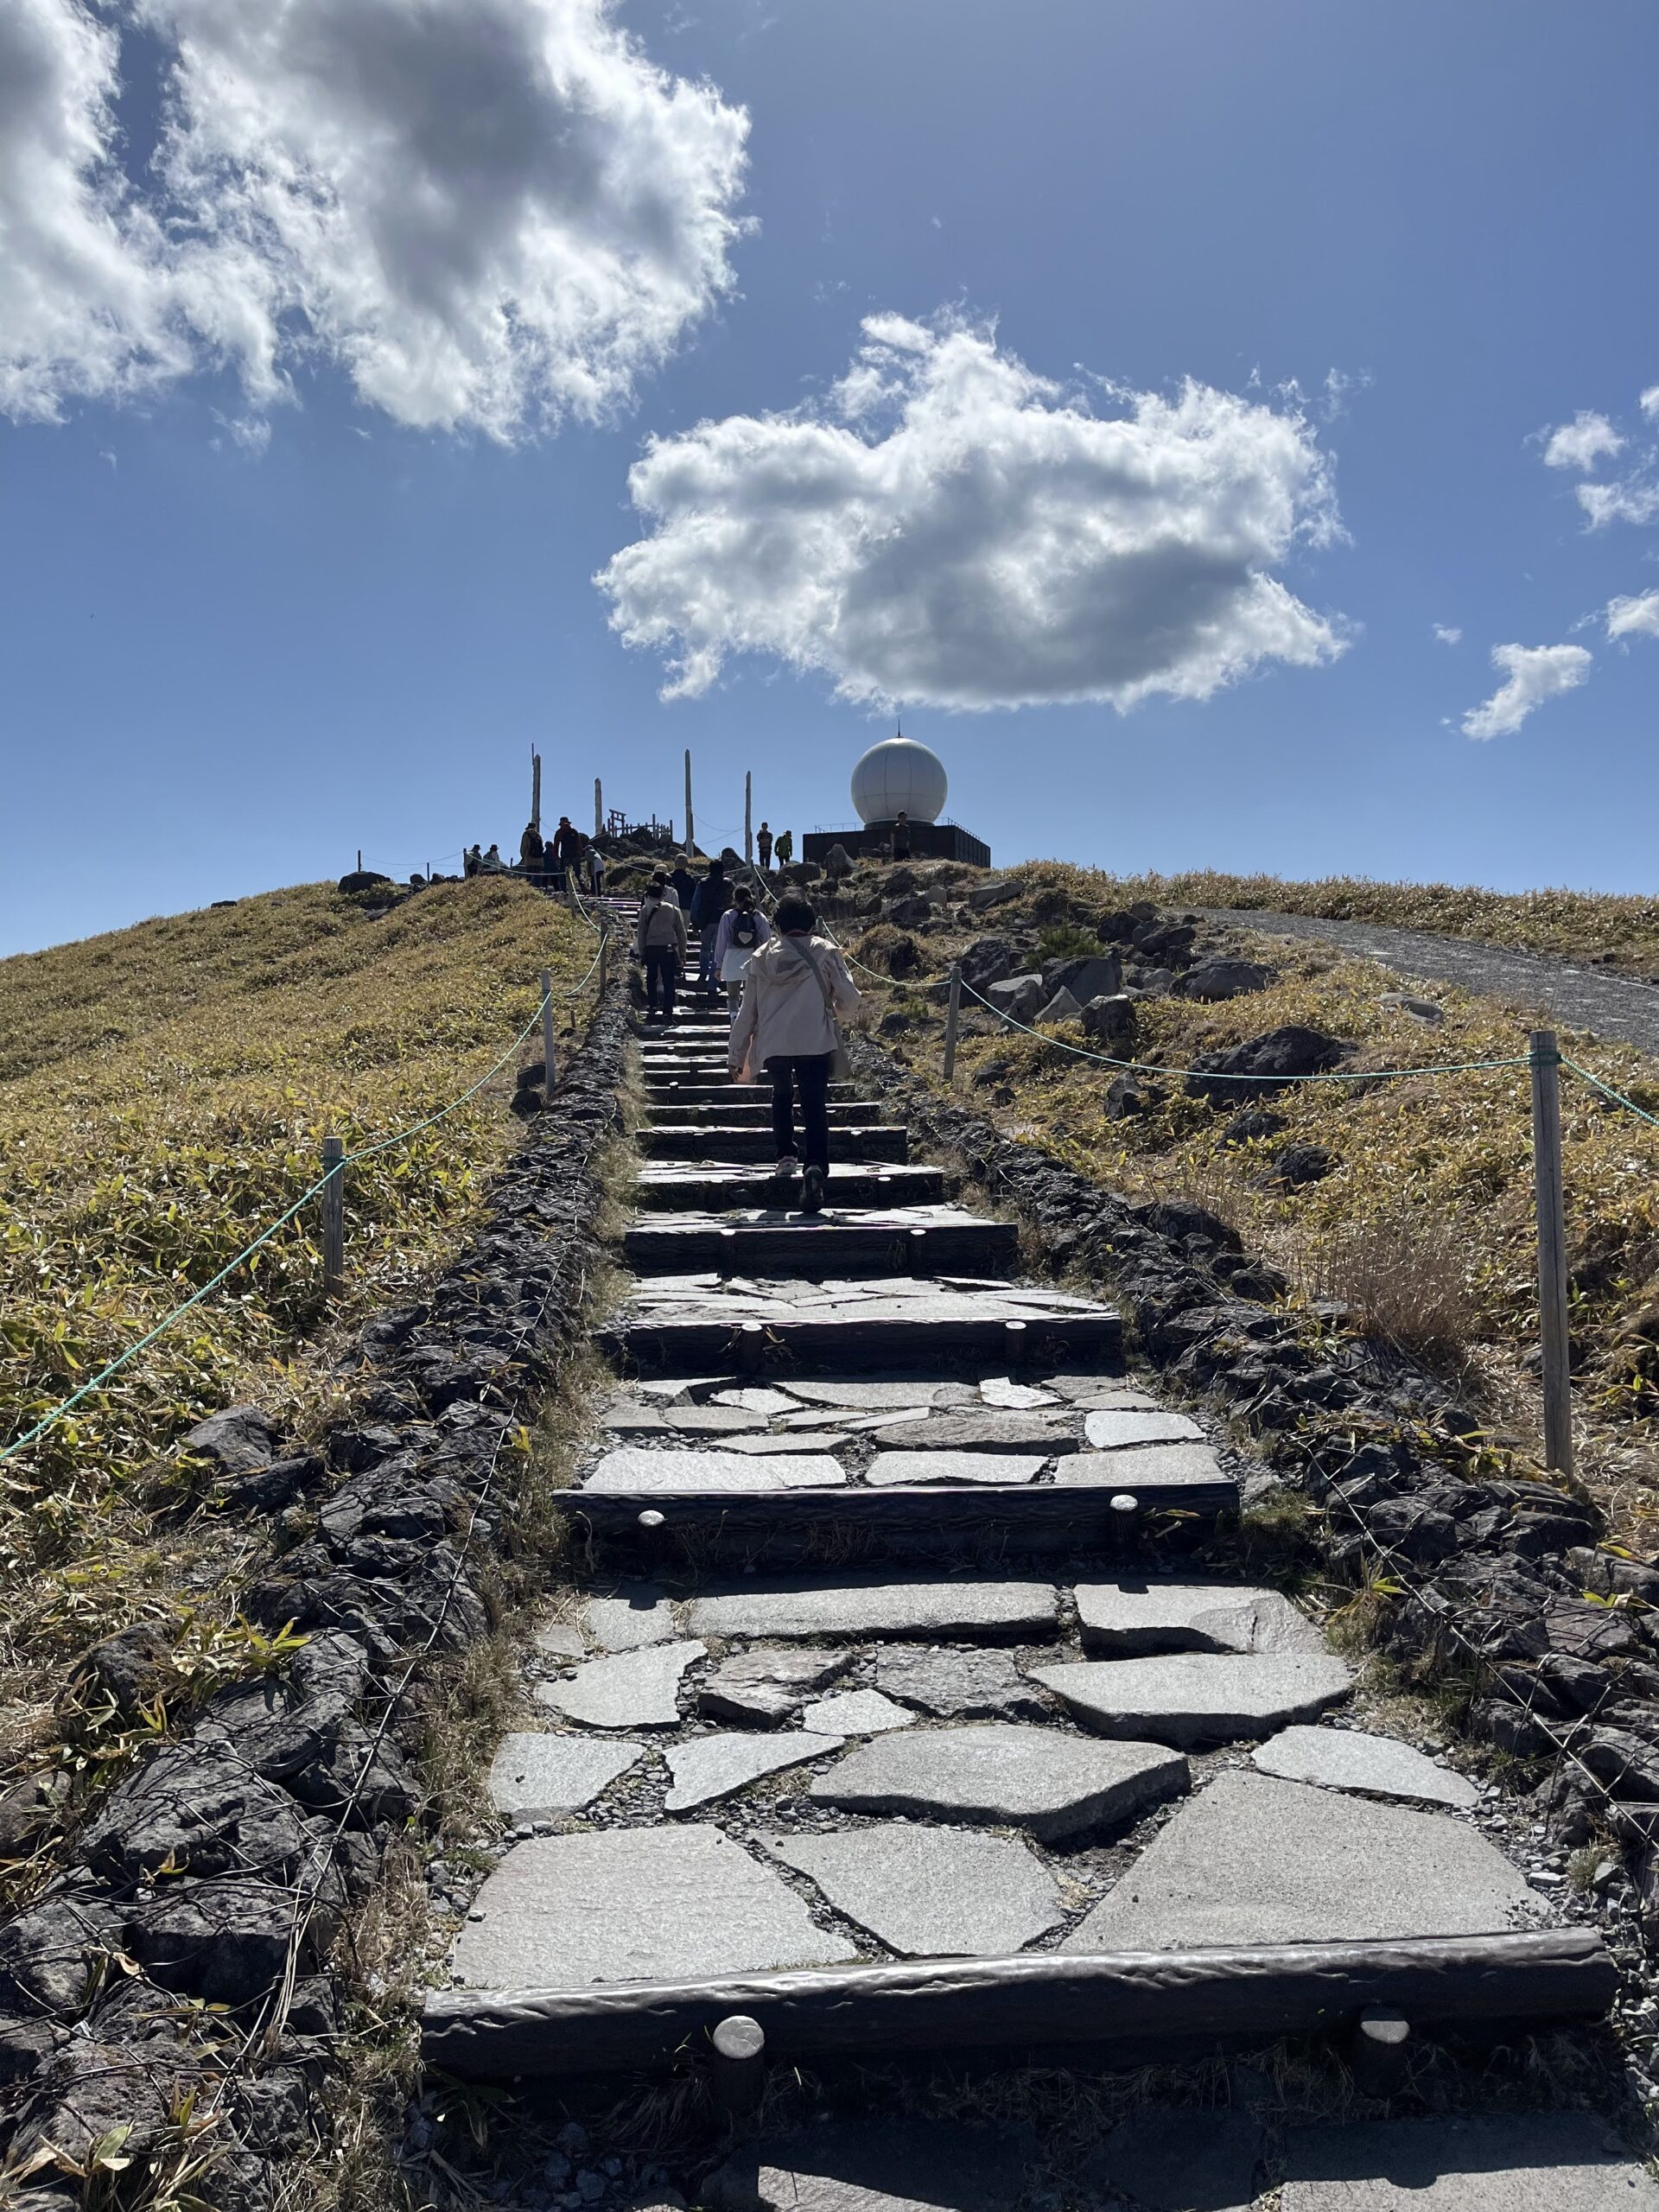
column 852, row 1754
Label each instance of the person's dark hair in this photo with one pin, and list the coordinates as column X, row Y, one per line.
column 794, row 914
column 658, row 882
column 744, row 895
column 716, row 867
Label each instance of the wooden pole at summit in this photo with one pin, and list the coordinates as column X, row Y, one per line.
column 690, row 834
column 599, row 808
column 536, row 790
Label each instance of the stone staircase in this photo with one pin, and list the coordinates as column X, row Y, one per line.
column 894, row 1715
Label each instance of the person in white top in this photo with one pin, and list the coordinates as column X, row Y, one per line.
column 741, row 931
column 795, row 990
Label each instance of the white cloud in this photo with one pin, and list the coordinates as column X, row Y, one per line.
column 491, row 213
column 1581, row 442
column 1532, row 674
column 1448, row 633
column 1636, row 617
column 83, row 307
column 1630, row 501
column 1649, row 402
column 947, row 527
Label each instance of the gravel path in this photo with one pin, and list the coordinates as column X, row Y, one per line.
column 1580, row 998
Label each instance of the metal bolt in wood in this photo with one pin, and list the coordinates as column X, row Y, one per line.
column 1382, row 2051
column 738, row 2075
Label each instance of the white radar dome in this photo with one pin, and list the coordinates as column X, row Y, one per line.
column 900, row 776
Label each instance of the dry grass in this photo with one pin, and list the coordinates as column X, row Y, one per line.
column 1425, row 1223
column 1589, row 925
column 162, row 1096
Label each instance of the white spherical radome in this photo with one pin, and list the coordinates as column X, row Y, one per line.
column 899, row 776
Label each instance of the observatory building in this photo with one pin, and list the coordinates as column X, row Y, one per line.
column 900, row 776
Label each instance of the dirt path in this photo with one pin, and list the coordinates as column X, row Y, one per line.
column 1581, row 998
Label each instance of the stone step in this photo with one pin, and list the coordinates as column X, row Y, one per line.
column 746, row 1109
column 673, row 1184
column 915, row 1520
column 729, row 1142
column 931, row 1327
column 834, row 1243
column 523, row 2015
column 714, row 1094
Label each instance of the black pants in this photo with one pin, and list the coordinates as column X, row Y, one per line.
column 809, row 1073
column 659, row 979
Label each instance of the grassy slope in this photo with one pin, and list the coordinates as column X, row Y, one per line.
column 163, row 1093
column 1435, row 1171
column 1585, row 926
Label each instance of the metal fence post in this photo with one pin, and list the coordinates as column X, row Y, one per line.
column 953, row 1016
column 1552, row 1248
column 547, row 1036
column 604, row 953
column 333, row 1217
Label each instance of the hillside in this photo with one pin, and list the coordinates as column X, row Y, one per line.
column 1408, row 1201
column 163, row 1093
column 1590, row 926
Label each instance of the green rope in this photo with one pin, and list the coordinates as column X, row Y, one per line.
column 1214, row 1075
column 364, row 1152
column 1607, row 1092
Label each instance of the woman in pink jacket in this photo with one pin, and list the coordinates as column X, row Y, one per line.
column 796, row 990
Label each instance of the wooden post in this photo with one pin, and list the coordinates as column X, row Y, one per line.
column 690, row 838
column 547, row 1036
column 604, row 952
column 1552, row 1248
column 359, row 859
column 334, row 1218
column 535, row 790
column 599, row 808
column 748, row 817
column 953, row 1016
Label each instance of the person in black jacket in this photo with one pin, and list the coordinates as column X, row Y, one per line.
column 682, row 884
column 530, row 852
column 708, row 902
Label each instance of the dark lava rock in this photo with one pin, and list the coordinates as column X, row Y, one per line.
column 267, row 1490
column 198, row 1809
column 1128, row 1094
column 226, row 1941
column 1295, row 1165
column 1109, row 1019
column 1213, row 980
column 1272, row 1061
column 52, row 1951
column 131, row 1670
column 1251, row 1127
column 238, row 1440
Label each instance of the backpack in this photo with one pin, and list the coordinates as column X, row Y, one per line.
column 744, row 932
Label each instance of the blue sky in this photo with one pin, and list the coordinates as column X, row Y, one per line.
column 261, row 609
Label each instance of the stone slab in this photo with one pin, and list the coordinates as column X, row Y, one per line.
column 1196, row 1698
column 890, row 2165
column 630, row 1619
column 999, row 1774
column 1112, row 1431
column 1348, row 1759
column 1099, row 1391
column 1178, row 2158
column 955, row 1685
column 764, row 1685
column 857, row 1712
column 1130, row 1618
column 1256, row 1860
column 930, row 1892
column 1519, row 2162
column 1017, row 1397
column 868, row 1606
column 891, row 1468
column 1144, row 1463
column 821, row 1417
column 705, row 1768
column 674, row 1904
column 775, row 1440
column 864, row 1397
column 630, row 1689
column 535, row 1774
column 561, row 1640
column 992, row 1429
column 689, row 1473
column 713, row 1419
column 756, row 1401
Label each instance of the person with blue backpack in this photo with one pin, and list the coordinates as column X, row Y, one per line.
column 743, row 930
column 708, row 903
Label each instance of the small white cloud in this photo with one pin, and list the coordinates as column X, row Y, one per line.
column 1448, row 633
column 1630, row 501
column 1649, row 402
column 1636, row 617
column 947, row 527
column 104, row 453
column 1581, row 442
column 1532, row 674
